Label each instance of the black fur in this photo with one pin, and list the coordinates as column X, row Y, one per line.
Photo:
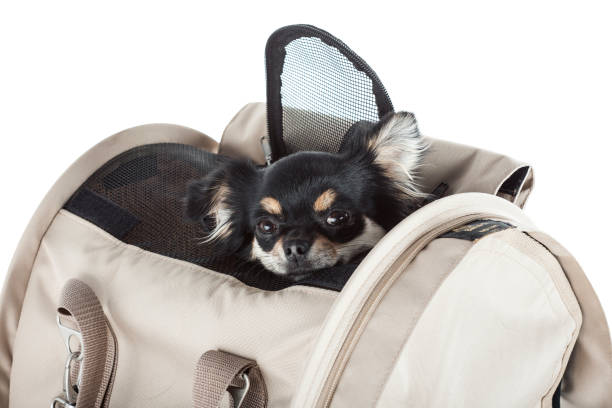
column 362, row 188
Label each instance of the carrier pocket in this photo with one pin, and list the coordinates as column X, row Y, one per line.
column 377, row 274
column 370, row 301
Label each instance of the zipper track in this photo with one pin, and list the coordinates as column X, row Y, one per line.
column 378, row 293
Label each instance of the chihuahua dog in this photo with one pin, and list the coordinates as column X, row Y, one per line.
column 313, row 210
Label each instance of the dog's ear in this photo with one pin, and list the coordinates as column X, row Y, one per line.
column 220, row 202
column 355, row 140
column 395, row 146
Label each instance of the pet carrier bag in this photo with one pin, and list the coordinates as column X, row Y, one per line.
column 110, row 299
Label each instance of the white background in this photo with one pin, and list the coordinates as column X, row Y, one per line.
column 531, row 79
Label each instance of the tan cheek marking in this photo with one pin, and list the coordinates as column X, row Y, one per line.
column 271, row 205
column 324, row 201
column 322, row 244
column 277, row 249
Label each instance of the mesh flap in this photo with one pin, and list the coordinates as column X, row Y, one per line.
column 317, row 89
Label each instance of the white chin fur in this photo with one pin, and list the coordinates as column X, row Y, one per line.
column 274, row 260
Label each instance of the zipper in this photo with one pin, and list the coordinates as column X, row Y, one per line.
column 377, row 293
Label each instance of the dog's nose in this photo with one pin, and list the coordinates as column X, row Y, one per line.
column 296, row 250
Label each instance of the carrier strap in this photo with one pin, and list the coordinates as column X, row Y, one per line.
column 223, row 378
column 588, row 378
column 97, row 364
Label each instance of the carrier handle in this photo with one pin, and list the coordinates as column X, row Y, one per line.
column 222, row 375
column 90, row 367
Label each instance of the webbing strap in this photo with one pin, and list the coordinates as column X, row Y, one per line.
column 218, row 372
column 99, row 348
column 587, row 382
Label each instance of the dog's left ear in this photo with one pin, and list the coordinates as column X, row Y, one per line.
column 220, row 202
column 395, row 145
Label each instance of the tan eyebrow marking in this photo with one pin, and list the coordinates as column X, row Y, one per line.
column 325, row 200
column 271, row 205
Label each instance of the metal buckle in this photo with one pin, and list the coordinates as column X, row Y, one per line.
column 62, row 403
column 239, row 393
column 67, row 333
column 70, row 391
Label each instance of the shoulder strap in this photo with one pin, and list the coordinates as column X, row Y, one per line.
column 92, row 376
column 587, row 381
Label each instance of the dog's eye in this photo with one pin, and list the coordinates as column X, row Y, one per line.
column 266, row 226
column 337, row 217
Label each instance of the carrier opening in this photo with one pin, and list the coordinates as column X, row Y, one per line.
column 137, row 197
column 319, row 94
column 317, row 89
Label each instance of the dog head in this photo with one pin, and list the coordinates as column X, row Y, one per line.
column 313, row 210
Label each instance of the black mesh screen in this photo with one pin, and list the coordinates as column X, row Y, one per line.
column 149, row 183
column 138, row 198
column 317, row 89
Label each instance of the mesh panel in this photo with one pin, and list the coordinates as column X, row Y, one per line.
column 149, row 182
column 322, row 96
column 138, row 197
column 317, row 89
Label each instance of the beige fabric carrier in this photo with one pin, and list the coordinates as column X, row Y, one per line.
column 110, row 301
column 428, row 319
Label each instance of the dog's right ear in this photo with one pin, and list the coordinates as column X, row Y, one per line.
column 394, row 144
column 220, row 202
